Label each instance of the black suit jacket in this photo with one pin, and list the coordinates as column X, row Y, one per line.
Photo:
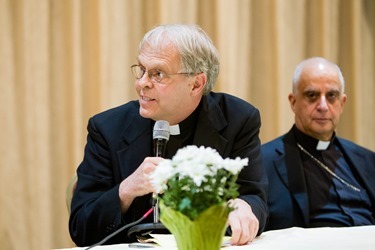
column 118, row 141
column 288, row 200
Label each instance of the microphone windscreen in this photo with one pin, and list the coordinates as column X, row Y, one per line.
column 161, row 130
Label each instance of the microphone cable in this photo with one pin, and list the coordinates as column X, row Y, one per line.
column 121, row 229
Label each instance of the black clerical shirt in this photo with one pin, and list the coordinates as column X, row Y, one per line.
column 186, row 136
column 331, row 201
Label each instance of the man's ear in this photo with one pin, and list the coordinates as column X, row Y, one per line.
column 343, row 101
column 292, row 101
column 199, row 83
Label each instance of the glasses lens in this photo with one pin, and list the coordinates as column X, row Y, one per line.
column 156, row 75
column 137, row 71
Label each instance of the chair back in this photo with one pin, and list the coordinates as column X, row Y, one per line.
column 70, row 190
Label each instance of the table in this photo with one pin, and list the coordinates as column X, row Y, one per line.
column 324, row 238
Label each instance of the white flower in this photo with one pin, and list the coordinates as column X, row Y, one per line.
column 194, row 162
column 196, row 175
column 194, row 154
column 161, row 174
column 234, row 166
column 196, row 171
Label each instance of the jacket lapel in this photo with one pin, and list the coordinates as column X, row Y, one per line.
column 290, row 168
column 210, row 122
column 137, row 134
column 363, row 167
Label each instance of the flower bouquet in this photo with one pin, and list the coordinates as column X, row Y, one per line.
column 194, row 189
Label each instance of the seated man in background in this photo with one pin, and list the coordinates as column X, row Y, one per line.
column 316, row 178
column 176, row 71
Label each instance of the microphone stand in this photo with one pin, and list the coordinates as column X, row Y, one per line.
column 159, row 148
column 155, row 202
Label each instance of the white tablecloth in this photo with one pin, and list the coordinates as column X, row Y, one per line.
column 317, row 238
column 297, row 238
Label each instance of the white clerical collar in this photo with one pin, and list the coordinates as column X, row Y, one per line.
column 322, row 145
column 174, row 129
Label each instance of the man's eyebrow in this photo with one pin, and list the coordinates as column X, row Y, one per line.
column 153, row 66
column 311, row 90
column 333, row 90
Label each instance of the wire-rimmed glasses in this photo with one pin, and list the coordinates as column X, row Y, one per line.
column 155, row 75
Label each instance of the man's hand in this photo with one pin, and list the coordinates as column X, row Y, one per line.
column 138, row 183
column 243, row 223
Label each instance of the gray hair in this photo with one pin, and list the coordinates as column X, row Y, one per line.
column 301, row 66
column 196, row 50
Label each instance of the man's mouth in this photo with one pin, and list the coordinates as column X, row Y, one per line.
column 321, row 120
column 146, row 99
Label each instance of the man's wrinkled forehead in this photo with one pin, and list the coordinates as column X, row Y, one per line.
column 157, row 47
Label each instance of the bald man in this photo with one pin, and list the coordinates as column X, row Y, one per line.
column 316, row 178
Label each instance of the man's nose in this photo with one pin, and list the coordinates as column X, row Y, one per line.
column 322, row 105
column 145, row 80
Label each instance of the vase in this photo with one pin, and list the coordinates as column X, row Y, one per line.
column 206, row 232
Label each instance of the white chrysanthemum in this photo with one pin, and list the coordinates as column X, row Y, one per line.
column 197, row 163
column 161, row 174
column 234, row 166
column 200, row 165
column 199, row 173
column 194, row 154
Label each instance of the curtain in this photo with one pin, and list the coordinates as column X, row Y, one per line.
column 62, row 61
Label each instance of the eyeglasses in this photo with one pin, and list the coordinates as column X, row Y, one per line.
column 155, row 75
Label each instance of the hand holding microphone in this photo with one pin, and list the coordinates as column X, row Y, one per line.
column 138, row 184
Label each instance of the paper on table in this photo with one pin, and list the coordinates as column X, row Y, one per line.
column 164, row 240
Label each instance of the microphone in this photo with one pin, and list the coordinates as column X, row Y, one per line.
column 161, row 136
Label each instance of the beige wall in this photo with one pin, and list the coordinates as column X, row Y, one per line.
column 61, row 61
